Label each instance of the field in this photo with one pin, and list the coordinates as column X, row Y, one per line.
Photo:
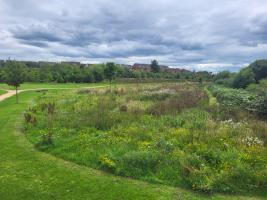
column 31, row 174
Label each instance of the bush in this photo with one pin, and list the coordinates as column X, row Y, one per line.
column 240, row 98
column 30, row 118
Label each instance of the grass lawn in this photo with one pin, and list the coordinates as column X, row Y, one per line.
column 26, row 173
column 25, row 86
column 2, row 92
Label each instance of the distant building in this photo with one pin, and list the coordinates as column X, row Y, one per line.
column 138, row 67
column 163, row 68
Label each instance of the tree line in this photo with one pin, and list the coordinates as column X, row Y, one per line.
column 252, row 74
column 80, row 73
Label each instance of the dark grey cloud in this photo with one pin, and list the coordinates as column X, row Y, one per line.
column 204, row 34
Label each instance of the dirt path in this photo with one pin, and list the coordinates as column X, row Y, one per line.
column 8, row 94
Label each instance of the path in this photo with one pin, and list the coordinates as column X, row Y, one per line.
column 212, row 99
column 8, row 94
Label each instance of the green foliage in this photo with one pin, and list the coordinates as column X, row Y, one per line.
column 27, row 173
column 189, row 148
column 65, row 72
column 251, row 74
column 138, row 164
column 260, row 88
column 14, row 73
column 259, row 69
column 240, row 98
column 155, row 66
column 244, row 78
column 110, row 71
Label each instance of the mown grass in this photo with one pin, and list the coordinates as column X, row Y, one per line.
column 26, row 86
column 26, row 173
column 153, row 134
column 2, row 92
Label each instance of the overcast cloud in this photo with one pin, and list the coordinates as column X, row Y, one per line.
column 201, row 34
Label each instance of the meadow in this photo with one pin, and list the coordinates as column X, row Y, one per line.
column 167, row 134
column 27, row 173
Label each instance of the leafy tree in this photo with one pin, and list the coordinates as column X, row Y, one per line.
column 155, row 66
column 244, row 78
column 223, row 75
column 14, row 74
column 97, row 71
column 110, row 71
column 259, row 68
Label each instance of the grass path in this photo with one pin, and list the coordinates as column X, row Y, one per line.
column 26, row 173
column 212, row 99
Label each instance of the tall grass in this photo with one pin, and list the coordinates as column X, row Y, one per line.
column 161, row 133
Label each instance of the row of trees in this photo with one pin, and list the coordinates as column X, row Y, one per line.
column 254, row 73
column 14, row 73
column 75, row 73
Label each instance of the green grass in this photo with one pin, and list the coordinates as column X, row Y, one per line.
column 26, row 173
column 2, row 92
column 212, row 99
column 25, row 86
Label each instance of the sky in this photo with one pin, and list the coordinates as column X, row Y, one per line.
column 199, row 34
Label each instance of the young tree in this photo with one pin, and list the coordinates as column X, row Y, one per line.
column 110, row 71
column 155, row 66
column 14, row 74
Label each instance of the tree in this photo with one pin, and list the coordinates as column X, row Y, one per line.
column 244, row 78
column 14, row 74
column 110, row 71
column 259, row 68
column 155, row 66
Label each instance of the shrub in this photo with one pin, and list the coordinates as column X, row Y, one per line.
column 123, row 108
column 107, row 164
column 30, row 118
column 240, row 98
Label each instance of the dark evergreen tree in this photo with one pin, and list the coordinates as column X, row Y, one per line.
column 155, row 66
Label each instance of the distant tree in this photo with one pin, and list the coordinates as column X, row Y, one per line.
column 222, row 75
column 259, row 68
column 244, row 78
column 1, row 76
column 110, row 71
column 200, row 81
column 14, row 74
column 155, row 66
column 97, row 71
